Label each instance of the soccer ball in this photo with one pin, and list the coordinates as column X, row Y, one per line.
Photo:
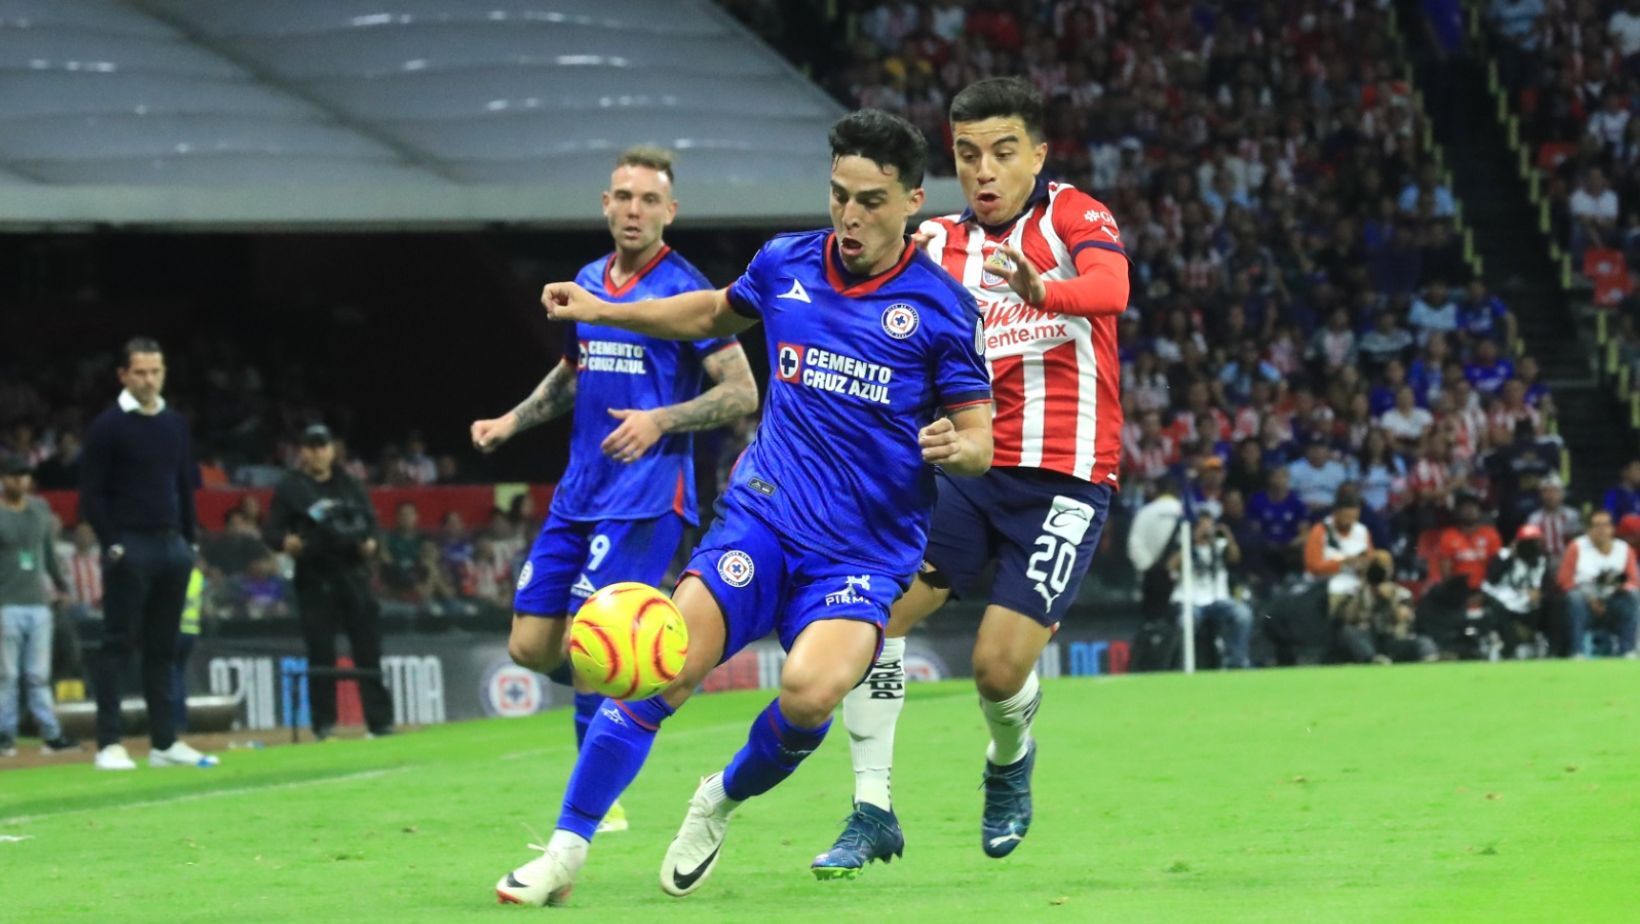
column 628, row 641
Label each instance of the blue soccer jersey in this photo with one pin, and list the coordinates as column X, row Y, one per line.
column 620, row 369
column 857, row 367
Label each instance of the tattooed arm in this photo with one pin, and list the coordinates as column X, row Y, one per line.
column 551, row 398
column 733, row 396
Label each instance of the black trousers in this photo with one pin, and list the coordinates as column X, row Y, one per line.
column 333, row 600
column 143, row 595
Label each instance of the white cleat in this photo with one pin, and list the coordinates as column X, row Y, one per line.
column 694, row 852
column 179, row 754
column 545, row 881
column 114, row 757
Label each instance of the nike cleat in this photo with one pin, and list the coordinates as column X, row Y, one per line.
column 545, row 881
column 871, row 833
column 1007, row 804
column 694, row 852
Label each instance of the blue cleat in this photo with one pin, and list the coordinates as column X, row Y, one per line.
column 1007, row 804
column 871, row 834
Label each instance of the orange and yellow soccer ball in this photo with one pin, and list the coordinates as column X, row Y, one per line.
column 628, row 641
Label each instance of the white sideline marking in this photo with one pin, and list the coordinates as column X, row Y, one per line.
column 208, row 794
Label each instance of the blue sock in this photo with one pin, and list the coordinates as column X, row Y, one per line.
column 773, row 750
column 617, row 744
column 586, row 706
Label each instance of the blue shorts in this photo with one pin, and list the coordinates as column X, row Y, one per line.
column 571, row 559
column 764, row 584
column 1040, row 527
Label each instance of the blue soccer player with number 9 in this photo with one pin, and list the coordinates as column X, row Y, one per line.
column 620, row 509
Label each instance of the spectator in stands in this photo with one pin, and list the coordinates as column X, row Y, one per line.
column 1246, row 472
column 1406, row 422
column 1387, row 343
column 1624, row 498
column 1381, row 474
column 232, row 551
column 1516, row 469
column 504, row 540
column 1338, row 549
column 1599, row 579
column 1214, row 607
column 1558, row 523
column 1333, row 347
column 1427, row 187
column 418, row 467
column 1434, row 312
column 1536, row 394
column 490, row 579
column 1150, row 537
column 1281, row 517
column 262, row 590
column 1375, row 621
column 1248, row 368
column 1317, row 476
column 1594, row 209
column 1609, row 124
column 1486, row 371
column 449, row 471
column 455, row 548
column 1441, row 256
column 1426, row 373
column 402, row 548
column 1206, row 493
column 1514, row 591
column 82, row 562
column 1482, row 316
column 1624, row 28
column 61, row 471
column 432, row 586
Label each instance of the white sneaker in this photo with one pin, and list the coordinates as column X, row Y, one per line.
column 114, row 757
column 694, row 852
column 548, row 879
column 179, row 754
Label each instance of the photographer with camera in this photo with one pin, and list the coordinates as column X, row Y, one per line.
column 1599, row 577
column 1212, row 603
column 321, row 517
column 1514, row 592
column 1375, row 621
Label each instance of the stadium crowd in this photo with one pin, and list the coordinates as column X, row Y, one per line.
column 1304, row 325
column 1304, row 322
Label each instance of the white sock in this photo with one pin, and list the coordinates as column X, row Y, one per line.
column 1010, row 722
column 870, row 712
column 721, row 802
column 569, row 847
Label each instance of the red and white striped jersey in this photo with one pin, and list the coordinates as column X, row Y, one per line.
column 1055, row 375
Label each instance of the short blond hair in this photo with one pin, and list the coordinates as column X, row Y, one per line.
column 655, row 158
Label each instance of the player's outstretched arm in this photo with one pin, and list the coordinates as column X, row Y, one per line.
column 688, row 316
column 554, row 396
column 733, row 396
column 960, row 443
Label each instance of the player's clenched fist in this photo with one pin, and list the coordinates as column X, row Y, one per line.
column 941, row 443
column 566, row 301
column 488, row 435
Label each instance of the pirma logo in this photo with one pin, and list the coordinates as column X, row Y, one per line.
column 511, row 691
column 525, row 574
column 735, row 567
column 899, row 320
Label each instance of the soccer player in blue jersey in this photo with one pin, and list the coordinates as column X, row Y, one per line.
column 879, row 375
column 622, row 504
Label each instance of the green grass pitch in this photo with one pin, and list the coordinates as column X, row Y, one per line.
column 1418, row 793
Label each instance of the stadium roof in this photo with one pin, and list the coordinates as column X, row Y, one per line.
column 371, row 113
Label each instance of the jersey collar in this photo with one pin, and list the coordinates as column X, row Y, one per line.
column 1039, row 193
column 129, row 404
column 852, row 286
column 614, row 291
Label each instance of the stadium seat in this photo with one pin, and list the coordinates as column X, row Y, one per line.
column 1609, row 272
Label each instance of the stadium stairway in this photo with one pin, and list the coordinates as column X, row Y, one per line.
column 1515, row 257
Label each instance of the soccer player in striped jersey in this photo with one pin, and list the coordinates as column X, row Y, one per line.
column 622, row 505
column 1046, row 265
